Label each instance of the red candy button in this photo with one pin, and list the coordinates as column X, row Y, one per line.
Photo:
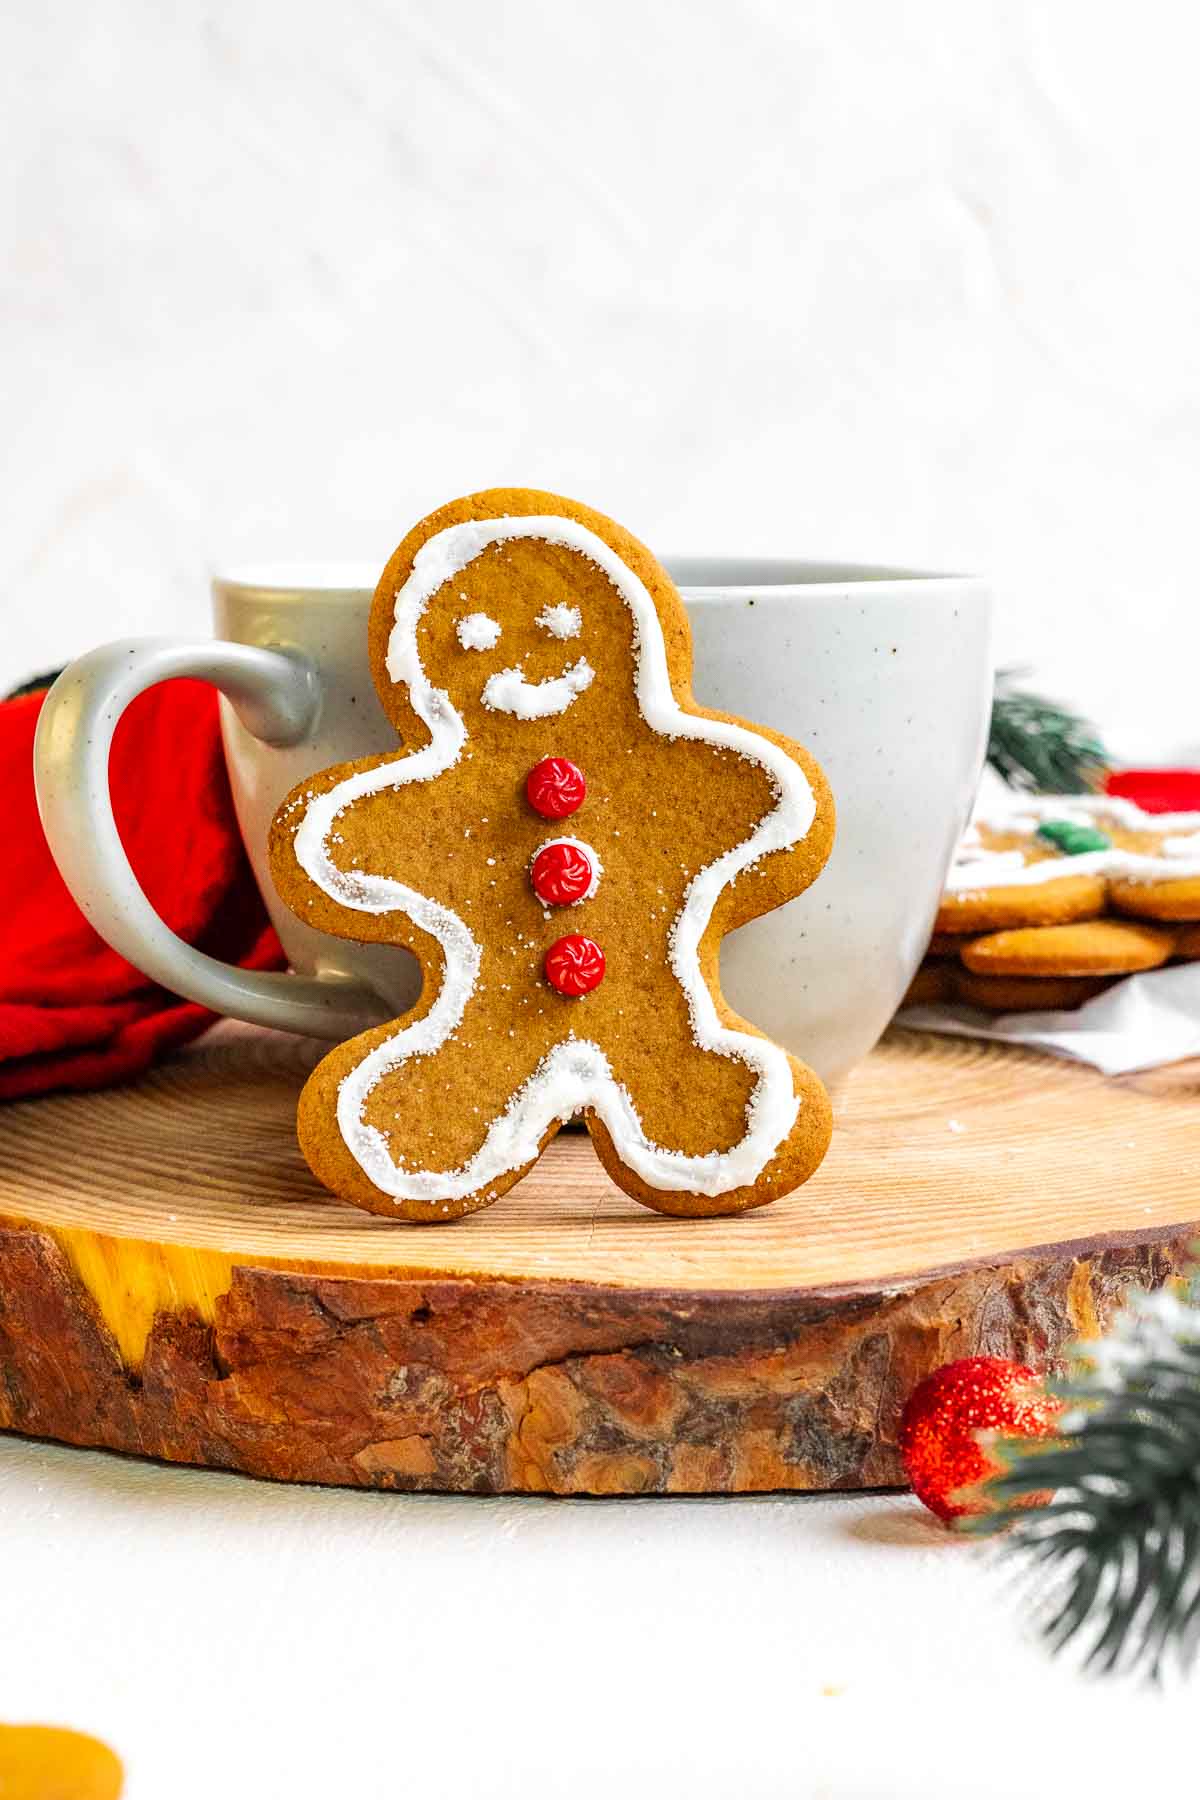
column 555, row 788
column 574, row 965
column 562, row 874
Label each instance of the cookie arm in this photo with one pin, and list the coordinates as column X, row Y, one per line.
column 780, row 875
column 365, row 836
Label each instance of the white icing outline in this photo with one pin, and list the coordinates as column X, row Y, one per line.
column 976, row 869
column 561, row 621
column 585, row 850
column 507, row 691
column 478, row 632
column 575, row 1074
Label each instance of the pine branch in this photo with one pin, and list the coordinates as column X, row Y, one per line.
column 1118, row 1547
column 1041, row 747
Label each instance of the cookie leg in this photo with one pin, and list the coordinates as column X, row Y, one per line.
column 705, row 1143
column 412, row 1142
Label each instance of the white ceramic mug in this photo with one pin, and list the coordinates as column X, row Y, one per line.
column 884, row 676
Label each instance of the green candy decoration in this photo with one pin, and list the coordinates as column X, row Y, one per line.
column 1071, row 839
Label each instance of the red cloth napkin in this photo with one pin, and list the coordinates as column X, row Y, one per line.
column 1157, row 790
column 74, row 1014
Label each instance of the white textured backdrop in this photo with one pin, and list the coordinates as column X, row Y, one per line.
column 914, row 282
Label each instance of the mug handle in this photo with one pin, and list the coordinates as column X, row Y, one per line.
column 277, row 696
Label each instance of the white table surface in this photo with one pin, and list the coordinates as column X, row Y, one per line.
column 231, row 1637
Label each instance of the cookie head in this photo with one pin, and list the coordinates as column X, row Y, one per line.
column 524, row 631
column 535, row 667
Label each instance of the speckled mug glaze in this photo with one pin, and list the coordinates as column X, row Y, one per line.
column 885, row 676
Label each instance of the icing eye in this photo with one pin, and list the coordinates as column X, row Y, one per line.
column 478, row 632
column 561, row 621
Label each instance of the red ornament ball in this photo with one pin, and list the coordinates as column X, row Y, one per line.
column 938, row 1445
column 555, row 787
column 561, row 874
column 574, row 965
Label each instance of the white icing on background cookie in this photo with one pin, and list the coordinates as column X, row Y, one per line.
column 576, row 1073
column 976, row 868
column 561, row 621
column 478, row 632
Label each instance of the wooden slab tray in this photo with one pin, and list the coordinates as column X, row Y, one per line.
column 174, row 1283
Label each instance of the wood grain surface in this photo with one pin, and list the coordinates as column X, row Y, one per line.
column 173, row 1282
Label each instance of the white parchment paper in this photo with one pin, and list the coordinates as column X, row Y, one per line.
column 1142, row 1022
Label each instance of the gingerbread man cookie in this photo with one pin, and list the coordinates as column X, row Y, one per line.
column 1061, row 858
column 563, row 840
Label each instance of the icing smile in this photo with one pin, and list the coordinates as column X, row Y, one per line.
column 509, row 692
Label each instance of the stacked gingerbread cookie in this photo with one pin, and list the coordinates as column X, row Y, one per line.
column 1054, row 899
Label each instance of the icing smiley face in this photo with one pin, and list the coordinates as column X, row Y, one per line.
column 522, row 649
column 510, row 690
